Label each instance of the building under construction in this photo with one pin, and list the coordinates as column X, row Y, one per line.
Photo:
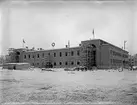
column 90, row 53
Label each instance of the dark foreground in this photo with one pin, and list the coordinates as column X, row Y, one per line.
column 94, row 87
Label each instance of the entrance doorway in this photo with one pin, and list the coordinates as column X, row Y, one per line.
column 49, row 65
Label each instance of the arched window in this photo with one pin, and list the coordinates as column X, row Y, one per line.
column 72, row 53
column 60, row 63
column 78, row 52
column 66, row 53
column 78, row 63
column 24, row 56
column 38, row 55
column 54, row 54
column 18, row 53
column 66, row 63
column 60, row 54
column 54, row 63
column 72, row 63
column 29, row 56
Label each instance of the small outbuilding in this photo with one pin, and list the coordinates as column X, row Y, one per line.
column 16, row 66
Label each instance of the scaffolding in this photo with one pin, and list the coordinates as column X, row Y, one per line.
column 89, row 56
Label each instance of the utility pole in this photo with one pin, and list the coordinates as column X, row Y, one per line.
column 69, row 54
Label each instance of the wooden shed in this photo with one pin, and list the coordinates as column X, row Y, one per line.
column 16, row 66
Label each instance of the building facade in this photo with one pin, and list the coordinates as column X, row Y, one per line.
column 133, row 60
column 90, row 53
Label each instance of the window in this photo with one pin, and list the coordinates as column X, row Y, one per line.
column 43, row 55
column 111, row 61
column 33, row 64
column 48, row 53
column 42, row 63
column 110, row 51
column 72, row 63
column 126, row 56
column 78, row 52
column 60, row 54
column 78, row 63
column 25, row 56
column 18, row 53
column 38, row 64
column 54, row 63
column 66, row 53
column 60, row 63
column 33, row 56
column 113, row 53
column 54, row 54
column 72, row 53
column 38, row 55
column 29, row 56
column 66, row 63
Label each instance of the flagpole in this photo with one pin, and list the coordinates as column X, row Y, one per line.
column 68, row 44
column 23, row 44
column 93, row 34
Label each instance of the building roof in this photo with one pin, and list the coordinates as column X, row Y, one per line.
column 107, row 43
column 114, row 46
column 54, row 49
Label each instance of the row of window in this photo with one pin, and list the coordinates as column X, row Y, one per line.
column 60, row 63
column 54, row 54
column 118, row 54
column 66, row 63
column 116, row 61
column 125, row 56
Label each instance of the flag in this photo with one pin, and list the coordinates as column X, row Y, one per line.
column 93, row 32
column 23, row 41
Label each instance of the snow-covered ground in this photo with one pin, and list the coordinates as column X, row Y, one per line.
column 36, row 86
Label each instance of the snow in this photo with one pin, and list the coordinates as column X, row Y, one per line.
column 69, row 86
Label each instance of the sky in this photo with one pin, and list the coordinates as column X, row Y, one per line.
column 40, row 23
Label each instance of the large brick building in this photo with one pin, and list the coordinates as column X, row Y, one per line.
column 89, row 53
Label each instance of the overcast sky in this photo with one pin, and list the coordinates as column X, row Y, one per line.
column 41, row 23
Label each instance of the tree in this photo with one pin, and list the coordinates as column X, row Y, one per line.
column 4, row 59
